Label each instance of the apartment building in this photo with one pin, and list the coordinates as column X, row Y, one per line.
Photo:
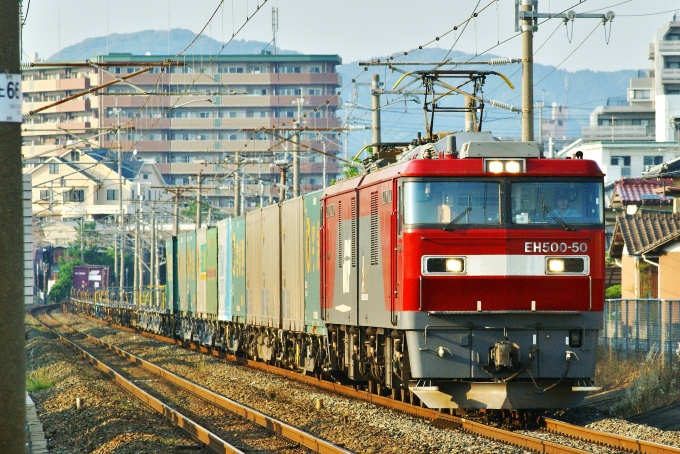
column 653, row 110
column 193, row 119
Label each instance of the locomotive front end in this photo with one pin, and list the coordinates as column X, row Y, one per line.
column 500, row 265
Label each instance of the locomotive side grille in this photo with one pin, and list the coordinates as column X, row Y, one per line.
column 374, row 227
column 353, row 214
column 340, row 257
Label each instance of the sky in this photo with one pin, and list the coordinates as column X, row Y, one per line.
column 361, row 29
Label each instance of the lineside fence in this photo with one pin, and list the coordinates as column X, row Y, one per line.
column 639, row 326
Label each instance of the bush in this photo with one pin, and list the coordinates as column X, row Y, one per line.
column 655, row 386
column 613, row 292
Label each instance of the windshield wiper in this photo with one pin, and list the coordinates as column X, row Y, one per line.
column 450, row 225
column 547, row 209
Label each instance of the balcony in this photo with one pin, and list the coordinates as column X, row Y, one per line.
column 669, row 46
column 613, row 133
column 75, row 105
column 670, row 75
column 51, row 85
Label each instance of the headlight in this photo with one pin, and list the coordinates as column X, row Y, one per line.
column 454, row 265
column 444, row 265
column 555, row 265
column 495, row 166
column 565, row 265
column 504, row 165
column 512, row 166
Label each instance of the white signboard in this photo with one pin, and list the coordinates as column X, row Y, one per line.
column 10, row 98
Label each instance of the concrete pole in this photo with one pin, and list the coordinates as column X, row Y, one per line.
column 135, row 266
column 324, row 165
column 296, row 162
column 175, row 223
column 12, row 354
column 82, row 240
column 237, row 186
column 375, row 107
column 527, row 73
column 539, row 105
column 198, row 200
column 121, row 274
column 470, row 123
column 152, row 252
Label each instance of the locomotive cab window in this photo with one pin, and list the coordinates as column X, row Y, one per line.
column 443, row 202
column 555, row 202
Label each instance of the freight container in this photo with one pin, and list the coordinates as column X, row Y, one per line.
column 312, row 245
column 211, row 273
column 90, row 277
column 224, row 267
column 254, row 278
column 271, row 266
column 171, row 302
column 182, row 286
column 191, row 272
column 292, row 265
column 202, row 267
column 238, row 264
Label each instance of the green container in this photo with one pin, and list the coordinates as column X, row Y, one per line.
column 192, row 272
column 237, row 267
column 182, row 289
column 312, row 245
column 211, row 273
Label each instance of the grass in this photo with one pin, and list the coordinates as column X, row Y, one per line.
column 37, row 380
column 650, row 382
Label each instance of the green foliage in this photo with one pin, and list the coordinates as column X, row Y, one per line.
column 349, row 171
column 37, row 380
column 62, row 288
column 613, row 292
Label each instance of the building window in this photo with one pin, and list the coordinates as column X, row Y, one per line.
column 672, row 62
column 257, row 69
column 289, row 91
column 74, row 195
column 54, row 169
column 620, row 161
column 652, row 160
column 315, row 91
column 290, row 69
column 315, row 69
column 112, row 194
column 673, row 35
column 45, row 194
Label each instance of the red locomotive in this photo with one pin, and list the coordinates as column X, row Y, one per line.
column 471, row 279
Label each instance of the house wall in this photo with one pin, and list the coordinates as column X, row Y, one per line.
column 628, row 274
column 669, row 273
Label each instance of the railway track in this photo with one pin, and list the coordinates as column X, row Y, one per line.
column 667, row 418
column 574, row 437
column 223, row 425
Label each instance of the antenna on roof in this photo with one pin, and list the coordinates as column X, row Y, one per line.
column 275, row 25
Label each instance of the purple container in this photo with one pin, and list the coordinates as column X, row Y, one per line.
column 91, row 277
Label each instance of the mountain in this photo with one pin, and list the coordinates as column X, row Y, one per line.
column 157, row 42
column 401, row 120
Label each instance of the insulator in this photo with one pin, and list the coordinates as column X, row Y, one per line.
column 502, row 105
column 500, row 61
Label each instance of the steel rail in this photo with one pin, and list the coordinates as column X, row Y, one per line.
column 617, row 441
column 436, row 416
column 195, row 430
column 280, row 428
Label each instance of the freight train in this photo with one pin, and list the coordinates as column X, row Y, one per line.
column 466, row 275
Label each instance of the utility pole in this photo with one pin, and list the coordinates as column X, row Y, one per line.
column 275, row 26
column 296, row 146
column 527, row 72
column 175, row 220
column 345, row 138
column 82, row 240
column 375, row 92
column 237, row 186
column 198, row 200
column 12, row 354
column 324, row 165
column 526, row 21
column 121, row 219
column 135, row 269
column 539, row 106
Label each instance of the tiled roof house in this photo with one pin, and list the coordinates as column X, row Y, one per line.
column 647, row 247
